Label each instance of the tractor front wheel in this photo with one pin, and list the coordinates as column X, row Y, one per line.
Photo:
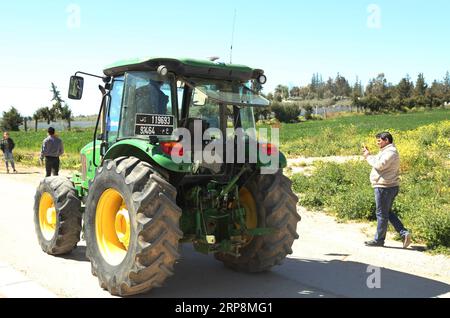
column 57, row 215
column 269, row 203
column 132, row 227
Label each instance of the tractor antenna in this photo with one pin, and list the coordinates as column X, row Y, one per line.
column 232, row 36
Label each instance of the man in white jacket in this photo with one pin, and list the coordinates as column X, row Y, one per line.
column 385, row 181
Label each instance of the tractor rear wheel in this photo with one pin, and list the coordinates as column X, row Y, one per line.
column 269, row 203
column 57, row 215
column 131, row 226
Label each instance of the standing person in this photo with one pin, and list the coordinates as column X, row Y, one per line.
column 52, row 149
column 385, row 181
column 7, row 145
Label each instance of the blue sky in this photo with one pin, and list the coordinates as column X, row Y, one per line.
column 44, row 41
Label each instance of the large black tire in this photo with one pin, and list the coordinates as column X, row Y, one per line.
column 154, row 227
column 276, row 207
column 63, row 236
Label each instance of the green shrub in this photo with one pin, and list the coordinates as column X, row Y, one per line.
column 316, row 117
column 354, row 204
column 286, row 112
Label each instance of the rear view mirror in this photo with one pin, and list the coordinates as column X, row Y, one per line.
column 199, row 98
column 76, row 87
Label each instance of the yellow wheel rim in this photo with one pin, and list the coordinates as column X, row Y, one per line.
column 112, row 225
column 47, row 216
column 251, row 214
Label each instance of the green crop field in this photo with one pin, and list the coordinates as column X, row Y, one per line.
column 32, row 141
column 339, row 136
column 344, row 135
column 28, row 146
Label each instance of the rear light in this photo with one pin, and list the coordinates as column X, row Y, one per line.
column 268, row 149
column 172, row 148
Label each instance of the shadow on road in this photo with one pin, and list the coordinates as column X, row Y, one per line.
column 411, row 248
column 204, row 277
column 78, row 254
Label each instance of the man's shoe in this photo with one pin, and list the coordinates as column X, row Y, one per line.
column 406, row 240
column 374, row 243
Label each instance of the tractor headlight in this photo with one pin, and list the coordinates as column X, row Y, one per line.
column 262, row 79
column 162, row 70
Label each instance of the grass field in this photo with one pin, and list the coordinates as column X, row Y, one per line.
column 28, row 146
column 32, row 141
column 344, row 135
column 339, row 136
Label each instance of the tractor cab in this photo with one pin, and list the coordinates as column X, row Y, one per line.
column 150, row 100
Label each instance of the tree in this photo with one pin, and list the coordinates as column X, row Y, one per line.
column 317, row 85
column 357, row 94
column 58, row 101
column 66, row 114
column 295, row 91
column 36, row 117
column 436, row 94
column 48, row 114
column 421, row 86
column 56, row 109
column 26, row 119
column 405, row 88
column 43, row 113
column 314, row 83
column 59, row 110
column 11, row 120
column 330, row 87
column 378, row 88
column 342, row 86
column 446, row 87
column 281, row 92
column 304, row 92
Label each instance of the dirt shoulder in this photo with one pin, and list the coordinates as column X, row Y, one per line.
column 305, row 165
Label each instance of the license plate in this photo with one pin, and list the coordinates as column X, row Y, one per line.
column 154, row 125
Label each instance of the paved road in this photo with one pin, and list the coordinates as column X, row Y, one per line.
column 328, row 261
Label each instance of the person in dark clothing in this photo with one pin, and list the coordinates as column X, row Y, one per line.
column 52, row 149
column 7, row 145
column 150, row 99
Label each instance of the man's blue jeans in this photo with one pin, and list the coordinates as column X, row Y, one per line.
column 384, row 198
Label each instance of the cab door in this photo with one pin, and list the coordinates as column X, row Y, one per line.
column 114, row 111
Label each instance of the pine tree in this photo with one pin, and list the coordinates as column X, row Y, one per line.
column 405, row 88
column 11, row 120
column 446, row 87
column 421, row 86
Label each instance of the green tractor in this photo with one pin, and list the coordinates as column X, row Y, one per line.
column 144, row 188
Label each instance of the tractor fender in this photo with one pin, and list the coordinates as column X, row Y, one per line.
column 147, row 152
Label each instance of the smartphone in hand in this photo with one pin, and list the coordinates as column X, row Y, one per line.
column 365, row 150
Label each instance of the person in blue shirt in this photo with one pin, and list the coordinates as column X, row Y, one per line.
column 52, row 149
